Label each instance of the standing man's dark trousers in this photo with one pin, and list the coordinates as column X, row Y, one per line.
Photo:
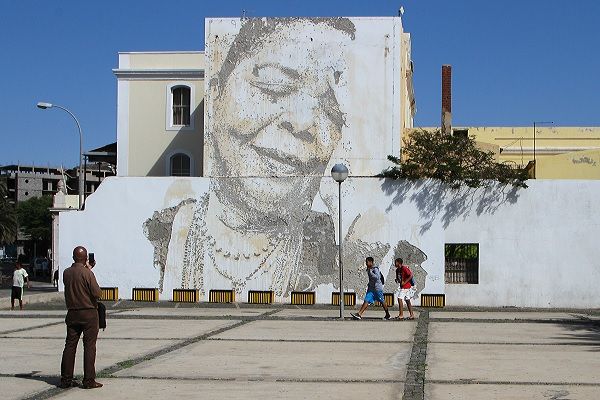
column 79, row 321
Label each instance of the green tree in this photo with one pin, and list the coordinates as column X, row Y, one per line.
column 35, row 219
column 454, row 160
column 8, row 216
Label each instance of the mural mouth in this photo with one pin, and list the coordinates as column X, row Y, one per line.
column 282, row 162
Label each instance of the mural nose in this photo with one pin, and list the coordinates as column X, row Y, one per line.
column 304, row 134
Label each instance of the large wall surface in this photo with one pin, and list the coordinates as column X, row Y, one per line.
column 538, row 246
column 293, row 96
column 174, row 233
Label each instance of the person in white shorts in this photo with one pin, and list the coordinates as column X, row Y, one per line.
column 405, row 289
column 20, row 277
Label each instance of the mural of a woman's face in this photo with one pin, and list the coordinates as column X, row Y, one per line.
column 277, row 114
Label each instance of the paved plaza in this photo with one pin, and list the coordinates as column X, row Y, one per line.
column 170, row 350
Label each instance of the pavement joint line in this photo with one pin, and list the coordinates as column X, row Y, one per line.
column 508, row 383
column 36, row 316
column 519, row 343
column 307, row 340
column 216, row 378
column 50, row 316
column 99, row 338
column 254, row 379
column 414, row 383
column 267, row 316
column 31, row 327
column 565, row 321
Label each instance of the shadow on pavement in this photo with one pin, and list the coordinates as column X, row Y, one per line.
column 51, row 380
column 586, row 332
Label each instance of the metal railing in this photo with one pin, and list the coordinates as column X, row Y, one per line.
column 462, row 271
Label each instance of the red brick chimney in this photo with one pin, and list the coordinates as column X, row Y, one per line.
column 446, row 99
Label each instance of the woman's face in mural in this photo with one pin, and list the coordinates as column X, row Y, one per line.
column 278, row 113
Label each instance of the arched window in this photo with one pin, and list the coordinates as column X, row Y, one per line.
column 180, row 165
column 181, row 96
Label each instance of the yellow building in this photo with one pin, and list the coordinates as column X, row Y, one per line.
column 160, row 113
column 559, row 152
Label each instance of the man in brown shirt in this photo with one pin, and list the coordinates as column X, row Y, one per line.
column 81, row 296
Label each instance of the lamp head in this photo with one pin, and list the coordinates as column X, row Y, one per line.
column 339, row 173
column 43, row 105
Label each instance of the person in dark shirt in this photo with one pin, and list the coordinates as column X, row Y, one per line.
column 81, row 296
column 374, row 291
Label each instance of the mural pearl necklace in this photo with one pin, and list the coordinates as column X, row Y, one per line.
column 239, row 283
column 236, row 255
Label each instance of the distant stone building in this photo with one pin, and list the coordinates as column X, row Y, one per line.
column 27, row 181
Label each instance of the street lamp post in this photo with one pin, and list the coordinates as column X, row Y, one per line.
column 44, row 106
column 339, row 172
column 534, row 133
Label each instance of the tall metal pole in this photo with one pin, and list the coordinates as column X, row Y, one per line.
column 81, row 173
column 339, row 173
column 340, row 254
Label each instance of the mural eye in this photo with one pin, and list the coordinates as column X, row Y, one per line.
column 274, row 79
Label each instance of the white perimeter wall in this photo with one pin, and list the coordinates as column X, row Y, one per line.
column 538, row 246
column 540, row 251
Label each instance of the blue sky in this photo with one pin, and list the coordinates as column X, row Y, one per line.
column 514, row 61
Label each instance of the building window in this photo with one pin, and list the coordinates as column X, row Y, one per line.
column 181, row 97
column 461, row 263
column 180, row 165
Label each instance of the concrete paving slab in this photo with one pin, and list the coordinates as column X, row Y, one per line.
column 159, row 389
column 372, row 312
column 9, row 324
column 137, row 329
column 339, row 331
column 19, row 388
column 540, row 333
column 279, row 360
column 24, row 356
column 518, row 315
column 509, row 392
column 513, row 363
column 197, row 312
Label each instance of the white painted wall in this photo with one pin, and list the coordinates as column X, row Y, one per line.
column 541, row 251
column 538, row 246
column 111, row 227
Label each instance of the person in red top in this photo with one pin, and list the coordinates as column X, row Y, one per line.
column 405, row 289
